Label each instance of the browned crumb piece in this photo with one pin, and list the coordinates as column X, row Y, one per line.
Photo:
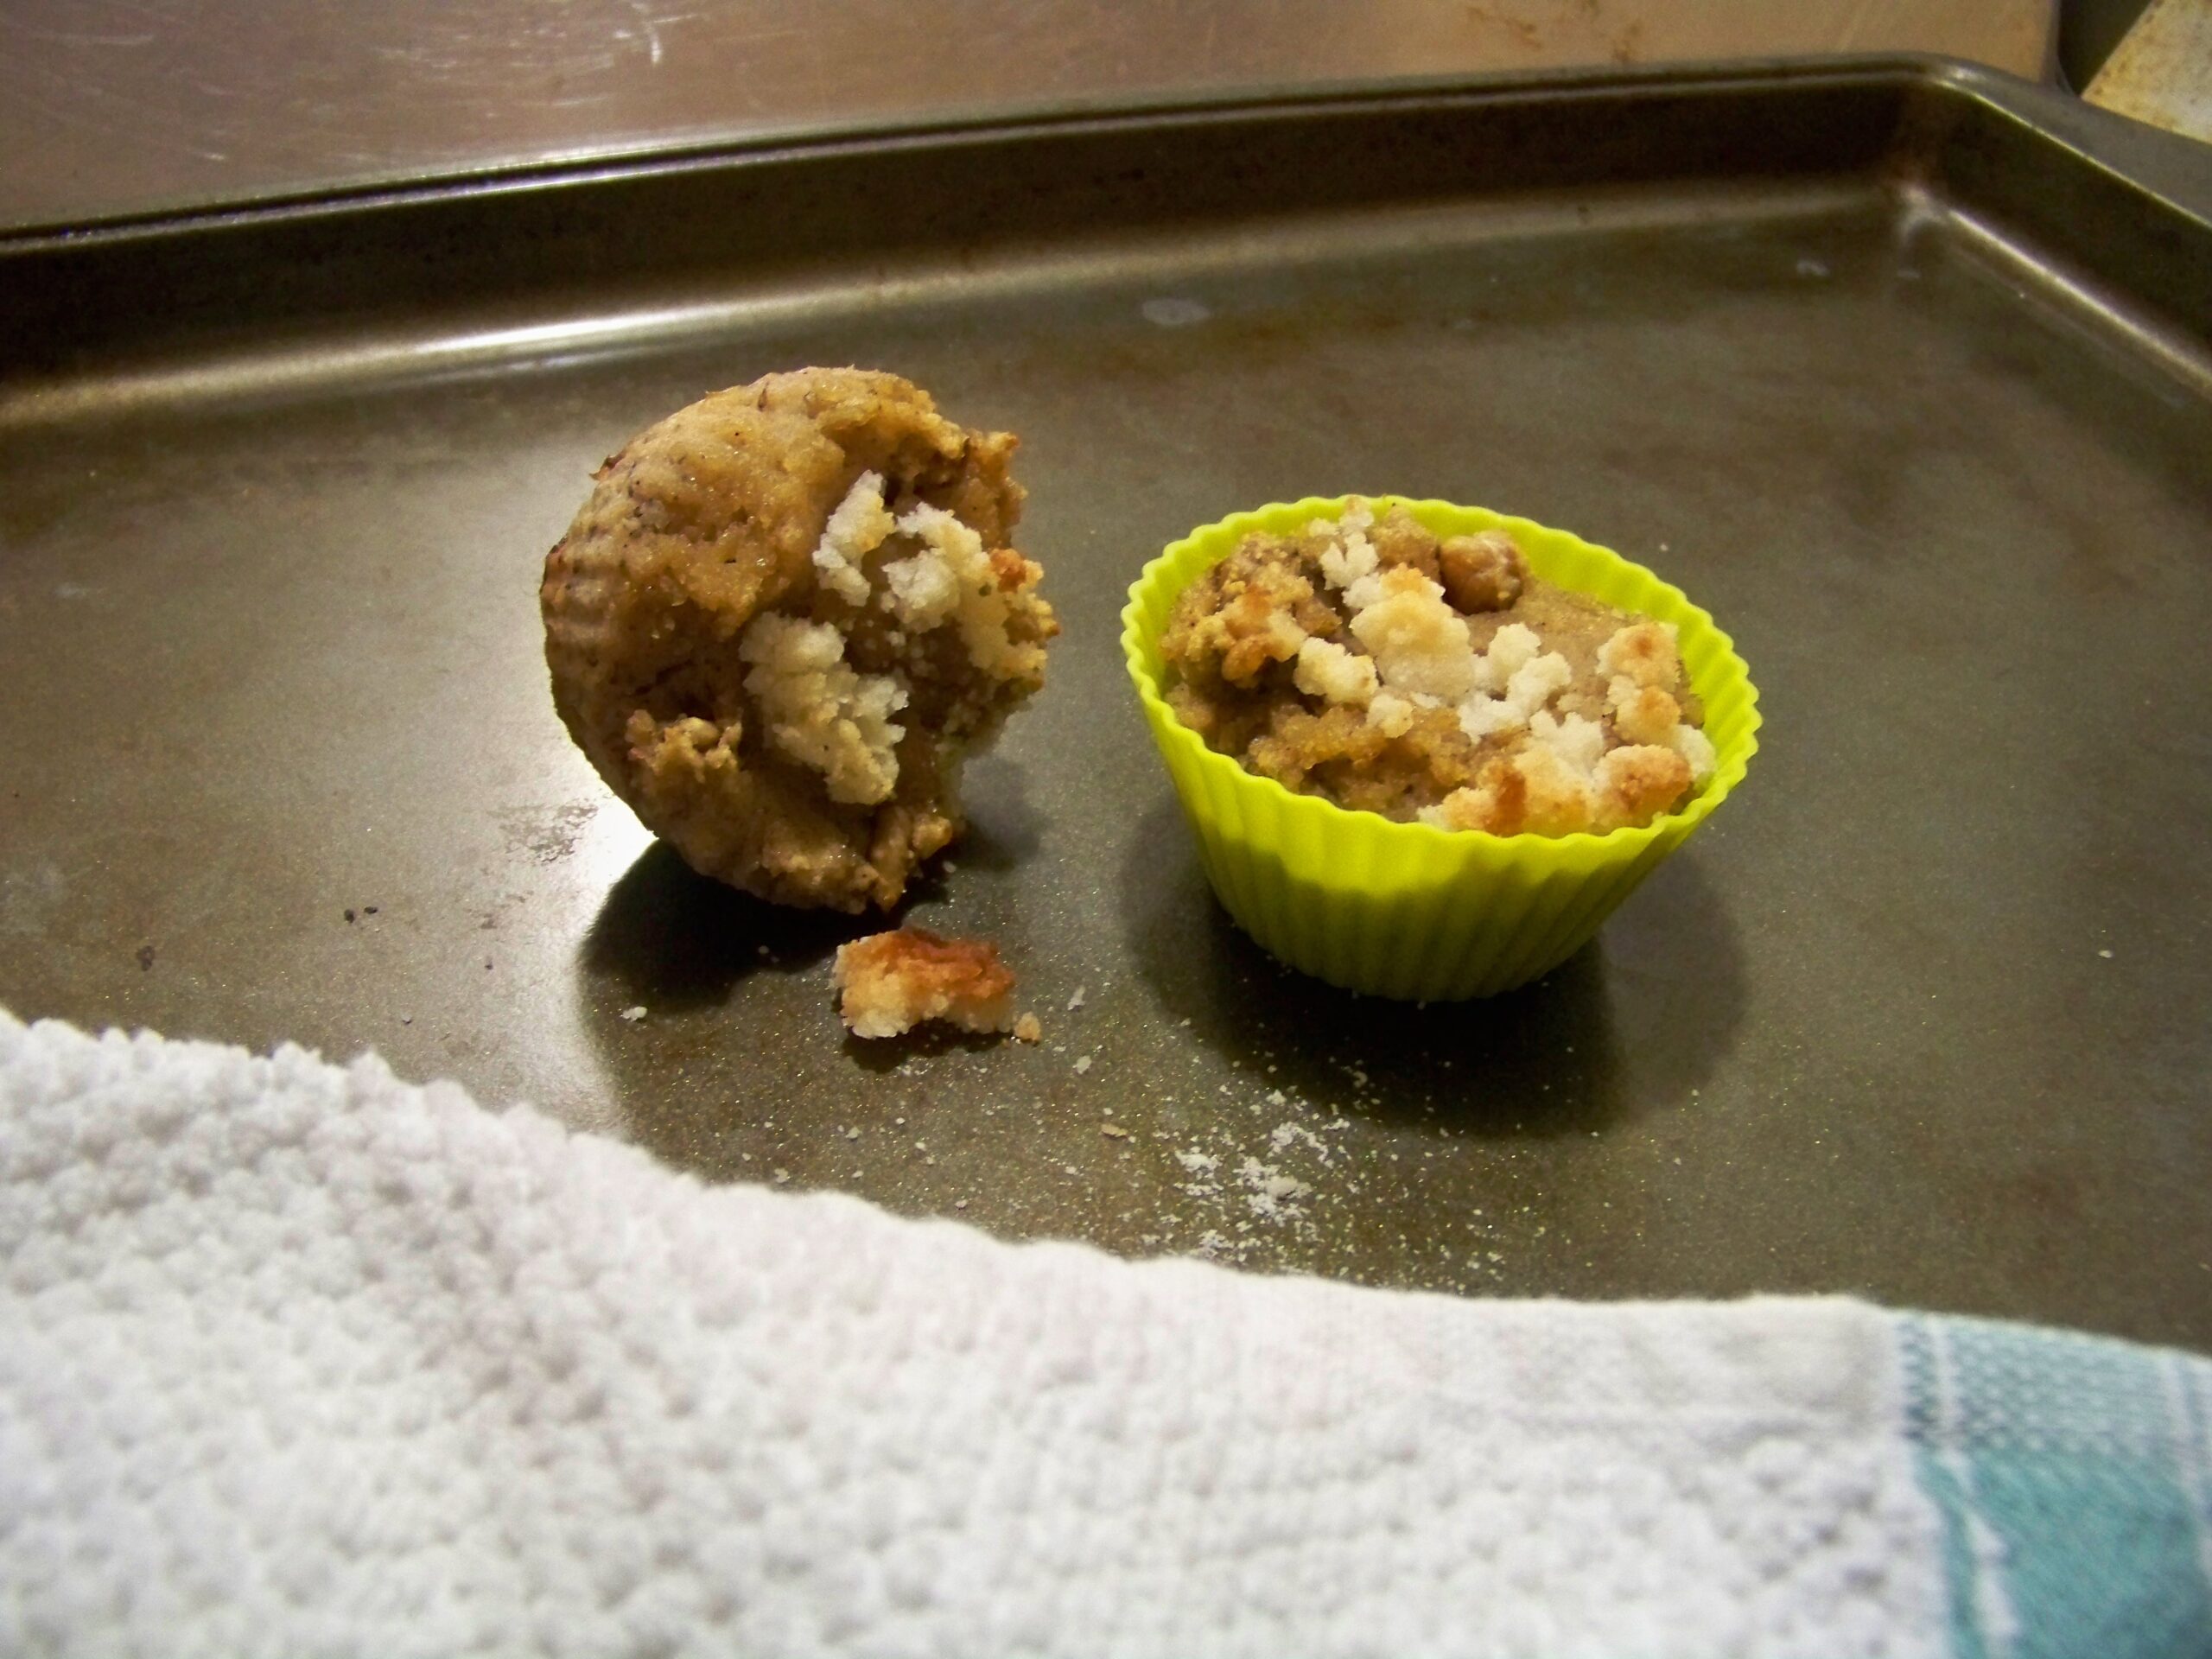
column 891, row 982
column 1368, row 662
column 1255, row 608
column 1481, row 573
column 1028, row 1029
column 781, row 619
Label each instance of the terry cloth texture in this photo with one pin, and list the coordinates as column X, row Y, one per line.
column 300, row 1359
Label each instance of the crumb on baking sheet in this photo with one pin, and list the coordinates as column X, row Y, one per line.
column 890, row 982
column 1028, row 1029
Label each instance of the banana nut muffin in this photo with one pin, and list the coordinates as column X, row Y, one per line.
column 1372, row 664
column 782, row 618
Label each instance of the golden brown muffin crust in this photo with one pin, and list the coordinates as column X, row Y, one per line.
column 709, row 520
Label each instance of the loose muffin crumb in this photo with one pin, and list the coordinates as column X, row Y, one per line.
column 890, row 982
column 1369, row 661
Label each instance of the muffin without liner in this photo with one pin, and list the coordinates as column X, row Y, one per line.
column 785, row 614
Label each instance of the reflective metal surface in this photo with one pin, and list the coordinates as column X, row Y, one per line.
column 1886, row 364
column 121, row 106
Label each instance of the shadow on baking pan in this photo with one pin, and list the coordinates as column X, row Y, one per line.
column 669, row 938
column 1004, row 826
column 1628, row 1025
column 674, row 939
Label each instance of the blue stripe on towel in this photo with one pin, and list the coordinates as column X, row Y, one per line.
column 2074, row 1478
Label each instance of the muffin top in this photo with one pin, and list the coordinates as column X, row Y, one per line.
column 1371, row 663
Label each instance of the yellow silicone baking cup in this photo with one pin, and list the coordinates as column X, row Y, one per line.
column 1404, row 910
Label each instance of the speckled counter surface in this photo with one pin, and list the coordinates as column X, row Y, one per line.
column 140, row 105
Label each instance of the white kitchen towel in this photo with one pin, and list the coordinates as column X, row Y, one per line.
column 298, row 1359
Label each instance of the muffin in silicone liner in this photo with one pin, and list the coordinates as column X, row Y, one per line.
column 1406, row 909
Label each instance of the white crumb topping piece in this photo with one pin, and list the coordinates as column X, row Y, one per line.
column 856, row 528
column 1511, row 648
column 921, row 592
column 1390, row 715
column 1577, row 740
column 1529, row 682
column 923, row 589
column 1481, row 717
column 1327, row 671
column 951, row 579
column 820, row 712
column 1365, row 592
column 1350, row 563
column 1694, row 747
column 1645, row 652
column 1537, row 682
column 1419, row 644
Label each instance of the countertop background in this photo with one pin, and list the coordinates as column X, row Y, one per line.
column 122, row 107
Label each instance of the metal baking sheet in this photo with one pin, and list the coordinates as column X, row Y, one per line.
column 1903, row 370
